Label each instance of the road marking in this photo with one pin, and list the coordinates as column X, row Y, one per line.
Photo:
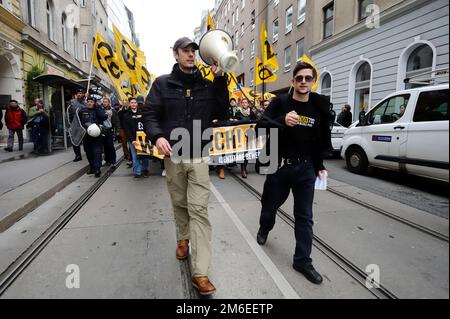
column 284, row 286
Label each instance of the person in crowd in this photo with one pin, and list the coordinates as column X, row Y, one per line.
column 187, row 173
column 122, row 134
column 92, row 115
column 1, row 118
column 245, row 115
column 233, row 108
column 345, row 118
column 75, row 105
column 33, row 133
column 40, row 128
column 140, row 101
column 15, row 120
column 133, row 121
column 113, row 118
column 303, row 119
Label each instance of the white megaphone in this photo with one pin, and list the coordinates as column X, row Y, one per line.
column 216, row 47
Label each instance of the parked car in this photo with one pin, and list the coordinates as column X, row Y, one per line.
column 406, row 132
column 337, row 135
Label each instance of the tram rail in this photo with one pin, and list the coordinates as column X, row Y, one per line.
column 345, row 264
column 8, row 277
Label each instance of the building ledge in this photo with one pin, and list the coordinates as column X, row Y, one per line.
column 361, row 27
column 11, row 20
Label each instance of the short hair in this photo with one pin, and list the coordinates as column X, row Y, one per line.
column 91, row 99
column 131, row 99
column 233, row 99
column 13, row 101
column 302, row 66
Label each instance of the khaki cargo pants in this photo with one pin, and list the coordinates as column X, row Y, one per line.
column 188, row 184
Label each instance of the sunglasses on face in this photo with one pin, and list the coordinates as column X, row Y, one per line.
column 301, row 78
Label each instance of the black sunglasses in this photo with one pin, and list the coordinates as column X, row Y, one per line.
column 301, row 78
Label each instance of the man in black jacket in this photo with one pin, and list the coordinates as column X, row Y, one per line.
column 184, row 99
column 304, row 137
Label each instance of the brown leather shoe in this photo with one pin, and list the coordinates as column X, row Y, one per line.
column 204, row 286
column 221, row 173
column 183, row 249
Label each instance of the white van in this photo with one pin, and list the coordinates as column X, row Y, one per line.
column 408, row 132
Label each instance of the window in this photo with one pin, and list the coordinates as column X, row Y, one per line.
column 362, row 87
column 75, row 43
column 31, row 13
column 326, row 85
column 242, row 28
column 287, row 59
column 252, row 49
column 289, row 12
column 236, row 38
column 243, row 4
column 388, row 111
column 83, row 3
column 301, row 11
column 275, row 2
column 328, row 20
column 85, row 51
column 252, row 76
column 300, row 49
column 275, row 30
column 50, row 20
column 242, row 55
column 64, row 32
column 432, row 107
column 362, row 9
column 253, row 19
column 420, row 61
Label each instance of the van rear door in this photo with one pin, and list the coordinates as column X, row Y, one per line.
column 428, row 139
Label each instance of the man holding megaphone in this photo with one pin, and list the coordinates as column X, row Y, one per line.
column 185, row 100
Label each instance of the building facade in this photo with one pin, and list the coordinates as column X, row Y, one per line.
column 362, row 59
column 11, row 50
column 364, row 49
column 53, row 40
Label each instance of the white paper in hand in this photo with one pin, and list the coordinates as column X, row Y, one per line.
column 322, row 182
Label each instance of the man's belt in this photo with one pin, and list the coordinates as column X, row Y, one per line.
column 296, row 160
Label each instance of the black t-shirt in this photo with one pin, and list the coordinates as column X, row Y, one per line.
column 297, row 141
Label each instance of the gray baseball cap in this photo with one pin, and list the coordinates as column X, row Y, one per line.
column 184, row 43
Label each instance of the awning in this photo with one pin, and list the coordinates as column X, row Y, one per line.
column 57, row 81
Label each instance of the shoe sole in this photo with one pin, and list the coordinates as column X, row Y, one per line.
column 182, row 258
column 209, row 293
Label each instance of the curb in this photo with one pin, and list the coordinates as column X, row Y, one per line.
column 21, row 212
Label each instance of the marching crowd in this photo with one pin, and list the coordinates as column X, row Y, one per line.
column 178, row 100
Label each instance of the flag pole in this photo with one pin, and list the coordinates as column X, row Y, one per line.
column 90, row 72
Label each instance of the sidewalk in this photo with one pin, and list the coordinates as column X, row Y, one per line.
column 16, row 155
column 28, row 183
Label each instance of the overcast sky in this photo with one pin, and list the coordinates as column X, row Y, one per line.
column 159, row 23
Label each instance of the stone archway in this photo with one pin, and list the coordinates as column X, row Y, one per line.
column 11, row 82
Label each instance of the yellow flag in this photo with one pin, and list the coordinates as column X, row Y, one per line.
column 105, row 59
column 306, row 59
column 263, row 74
column 268, row 54
column 131, row 59
column 205, row 70
column 210, row 22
